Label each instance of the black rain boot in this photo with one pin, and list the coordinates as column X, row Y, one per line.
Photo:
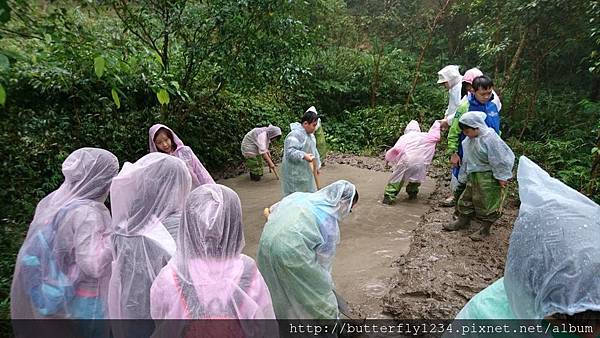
column 482, row 233
column 461, row 223
column 387, row 200
column 254, row 177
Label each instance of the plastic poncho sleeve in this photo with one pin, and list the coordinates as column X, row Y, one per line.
column 453, row 101
column 92, row 244
column 199, row 174
column 259, row 292
column 262, row 143
column 434, row 135
column 293, row 149
column 501, row 157
column 454, row 132
column 163, row 293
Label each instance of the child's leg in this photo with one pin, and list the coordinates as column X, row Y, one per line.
column 464, row 205
column 487, row 201
column 255, row 165
column 391, row 191
column 487, row 197
column 464, row 209
column 412, row 189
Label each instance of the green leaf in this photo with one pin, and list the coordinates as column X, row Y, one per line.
column 2, row 95
column 115, row 97
column 99, row 65
column 594, row 150
column 4, row 63
column 163, row 96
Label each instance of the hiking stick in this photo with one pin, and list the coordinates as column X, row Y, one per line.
column 313, row 168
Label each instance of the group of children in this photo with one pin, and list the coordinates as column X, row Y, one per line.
column 170, row 248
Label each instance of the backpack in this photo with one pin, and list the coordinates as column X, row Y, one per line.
column 49, row 289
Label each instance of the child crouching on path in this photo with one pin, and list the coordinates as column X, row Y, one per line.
column 410, row 157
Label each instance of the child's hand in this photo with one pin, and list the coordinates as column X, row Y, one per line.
column 503, row 183
column 309, row 157
column 444, row 124
column 455, row 160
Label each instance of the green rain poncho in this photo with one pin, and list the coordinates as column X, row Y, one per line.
column 296, row 251
column 296, row 173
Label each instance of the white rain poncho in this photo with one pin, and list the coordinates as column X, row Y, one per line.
column 209, row 277
column 553, row 262
column 296, row 173
column 451, row 75
column 486, row 152
column 63, row 267
column 413, row 152
column 256, row 142
column 198, row 173
column 143, row 196
column 297, row 247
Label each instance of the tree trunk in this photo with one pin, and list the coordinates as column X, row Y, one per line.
column 432, row 28
column 515, row 59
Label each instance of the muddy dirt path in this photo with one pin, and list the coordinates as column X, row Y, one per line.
column 372, row 237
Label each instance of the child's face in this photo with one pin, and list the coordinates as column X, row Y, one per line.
column 309, row 127
column 163, row 142
column 483, row 95
column 471, row 132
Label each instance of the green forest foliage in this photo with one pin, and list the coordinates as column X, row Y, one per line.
column 100, row 73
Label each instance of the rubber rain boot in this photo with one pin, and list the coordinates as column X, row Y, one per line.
column 482, row 233
column 461, row 223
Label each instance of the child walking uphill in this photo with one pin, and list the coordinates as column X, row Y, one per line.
column 164, row 140
column 255, row 148
column 300, row 150
column 486, row 168
column 410, row 157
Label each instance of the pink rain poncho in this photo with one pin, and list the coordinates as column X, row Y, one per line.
column 199, row 174
column 143, row 197
column 256, row 142
column 209, row 277
column 63, row 267
column 413, row 152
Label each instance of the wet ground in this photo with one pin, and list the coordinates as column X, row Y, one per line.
column 394, row 261
column 372, row 236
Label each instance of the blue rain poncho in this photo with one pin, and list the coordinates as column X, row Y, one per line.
column 295, row 171
column 486, row 152
column 296, row 251
column 553, row 263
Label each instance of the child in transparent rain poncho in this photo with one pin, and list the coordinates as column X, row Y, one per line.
column 209, row 277
column 144, row 195
column 163, row 139
column 63, row 267
column 410, row 157
column 553, row 266
column 299, row 151
column 297, row 247
column 255, row 148
column 486, row 169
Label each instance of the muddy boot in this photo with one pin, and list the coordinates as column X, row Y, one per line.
column 254, row 177
column 482, row 233
column 387, row 200
column 461, row 223
column 412, row 196
column 448, row 202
